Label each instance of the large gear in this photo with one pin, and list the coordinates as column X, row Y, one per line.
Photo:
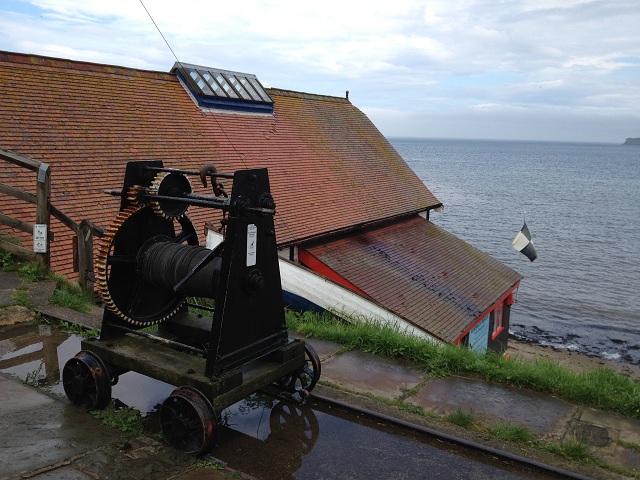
column 118, row 278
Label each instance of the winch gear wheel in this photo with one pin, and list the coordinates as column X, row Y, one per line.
column 118, row 280
column 167, row 183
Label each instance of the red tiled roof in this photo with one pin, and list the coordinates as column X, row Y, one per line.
column 422, row 273
column 330, row 168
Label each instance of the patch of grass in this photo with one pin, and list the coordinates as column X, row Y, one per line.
column 511, row 432
column 78, row 330
column 8, row 262
column 629, row 445
column 21, row 296
column 620, row 470
column 127, row 420
column 600, row 388
column 33, row 272
column 213, row 464
column 465, row 419
column 70, row 295
column 570, row 449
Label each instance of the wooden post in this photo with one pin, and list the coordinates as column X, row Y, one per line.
column 43, row 209
column 85, row 256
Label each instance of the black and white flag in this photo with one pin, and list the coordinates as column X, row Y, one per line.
column 524, row 244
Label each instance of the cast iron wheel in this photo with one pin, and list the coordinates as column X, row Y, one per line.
column 304, row 379
column 86, row 381
column 188, row 421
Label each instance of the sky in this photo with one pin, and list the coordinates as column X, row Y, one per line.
column 551, row 70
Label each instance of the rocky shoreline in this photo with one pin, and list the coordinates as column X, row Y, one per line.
column 574, row 361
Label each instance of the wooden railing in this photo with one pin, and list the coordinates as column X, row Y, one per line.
column 85, row 230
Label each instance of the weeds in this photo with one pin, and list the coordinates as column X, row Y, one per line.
column 127, row 420
column 570, row 449
column 212, row 464
column 629, row 445
column 462, row 419
column 21, row 296
column 78, row 330
column 511, row 432
column 7, row 261
column 70, row 295
column 33, row 378
column 33, row 272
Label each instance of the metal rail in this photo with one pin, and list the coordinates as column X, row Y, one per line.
column 549, row 469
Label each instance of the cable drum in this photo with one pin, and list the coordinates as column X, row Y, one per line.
column 165, row 264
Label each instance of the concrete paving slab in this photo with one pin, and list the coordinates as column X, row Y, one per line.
column 592, row 434
column 145, row 458
column 323, row 348
column 619, row 427
column 363, row 372
column 40, row 292
column 18, row 397
column 14, row 314
column 628, row 458
column 540, row 413
column 68, row 472
column 9, row 282
column 39, row 431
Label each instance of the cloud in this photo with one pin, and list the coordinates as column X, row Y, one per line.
column 420, row 58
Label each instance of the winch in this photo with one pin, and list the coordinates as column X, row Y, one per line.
column 151, row 269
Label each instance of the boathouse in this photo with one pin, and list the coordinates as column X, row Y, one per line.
column 349, row 209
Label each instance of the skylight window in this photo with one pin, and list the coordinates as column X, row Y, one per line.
column 222, row 89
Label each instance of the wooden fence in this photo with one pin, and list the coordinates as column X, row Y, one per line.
column 84, row 231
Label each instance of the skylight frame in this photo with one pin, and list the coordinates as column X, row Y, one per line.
column 216, row 88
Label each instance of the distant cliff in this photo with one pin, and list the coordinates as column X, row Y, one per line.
column 632, row 141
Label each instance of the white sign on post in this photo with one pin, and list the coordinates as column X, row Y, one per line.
column 252, row 248
column 40, row 238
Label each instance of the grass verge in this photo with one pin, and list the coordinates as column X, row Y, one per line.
column 600, row 388
column 70, row 295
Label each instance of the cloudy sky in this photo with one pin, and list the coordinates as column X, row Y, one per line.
column 496, row 69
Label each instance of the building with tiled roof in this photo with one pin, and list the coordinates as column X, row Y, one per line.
column 348, row 206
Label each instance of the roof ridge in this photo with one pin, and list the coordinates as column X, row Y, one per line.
column 309, row 96
column 56, row 63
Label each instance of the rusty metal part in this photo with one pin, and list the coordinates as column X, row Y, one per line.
column 188, row 420
column 125, row 294
column 86, row 381
column 207, row 168
column 210, row 170
column 137, row 195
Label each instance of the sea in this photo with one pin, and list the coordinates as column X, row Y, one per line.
column 581, row 203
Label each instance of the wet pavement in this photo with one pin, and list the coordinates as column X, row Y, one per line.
column 45, row 437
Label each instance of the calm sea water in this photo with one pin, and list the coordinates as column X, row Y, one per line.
column 582, row 204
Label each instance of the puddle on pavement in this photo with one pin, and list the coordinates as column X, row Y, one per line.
column 37, row 354
column 261, row 436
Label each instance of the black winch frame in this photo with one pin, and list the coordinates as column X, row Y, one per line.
column 150, row 262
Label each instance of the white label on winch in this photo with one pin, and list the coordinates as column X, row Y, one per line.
column 252, row 238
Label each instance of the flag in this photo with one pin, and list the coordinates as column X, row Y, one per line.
column 524, row 244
